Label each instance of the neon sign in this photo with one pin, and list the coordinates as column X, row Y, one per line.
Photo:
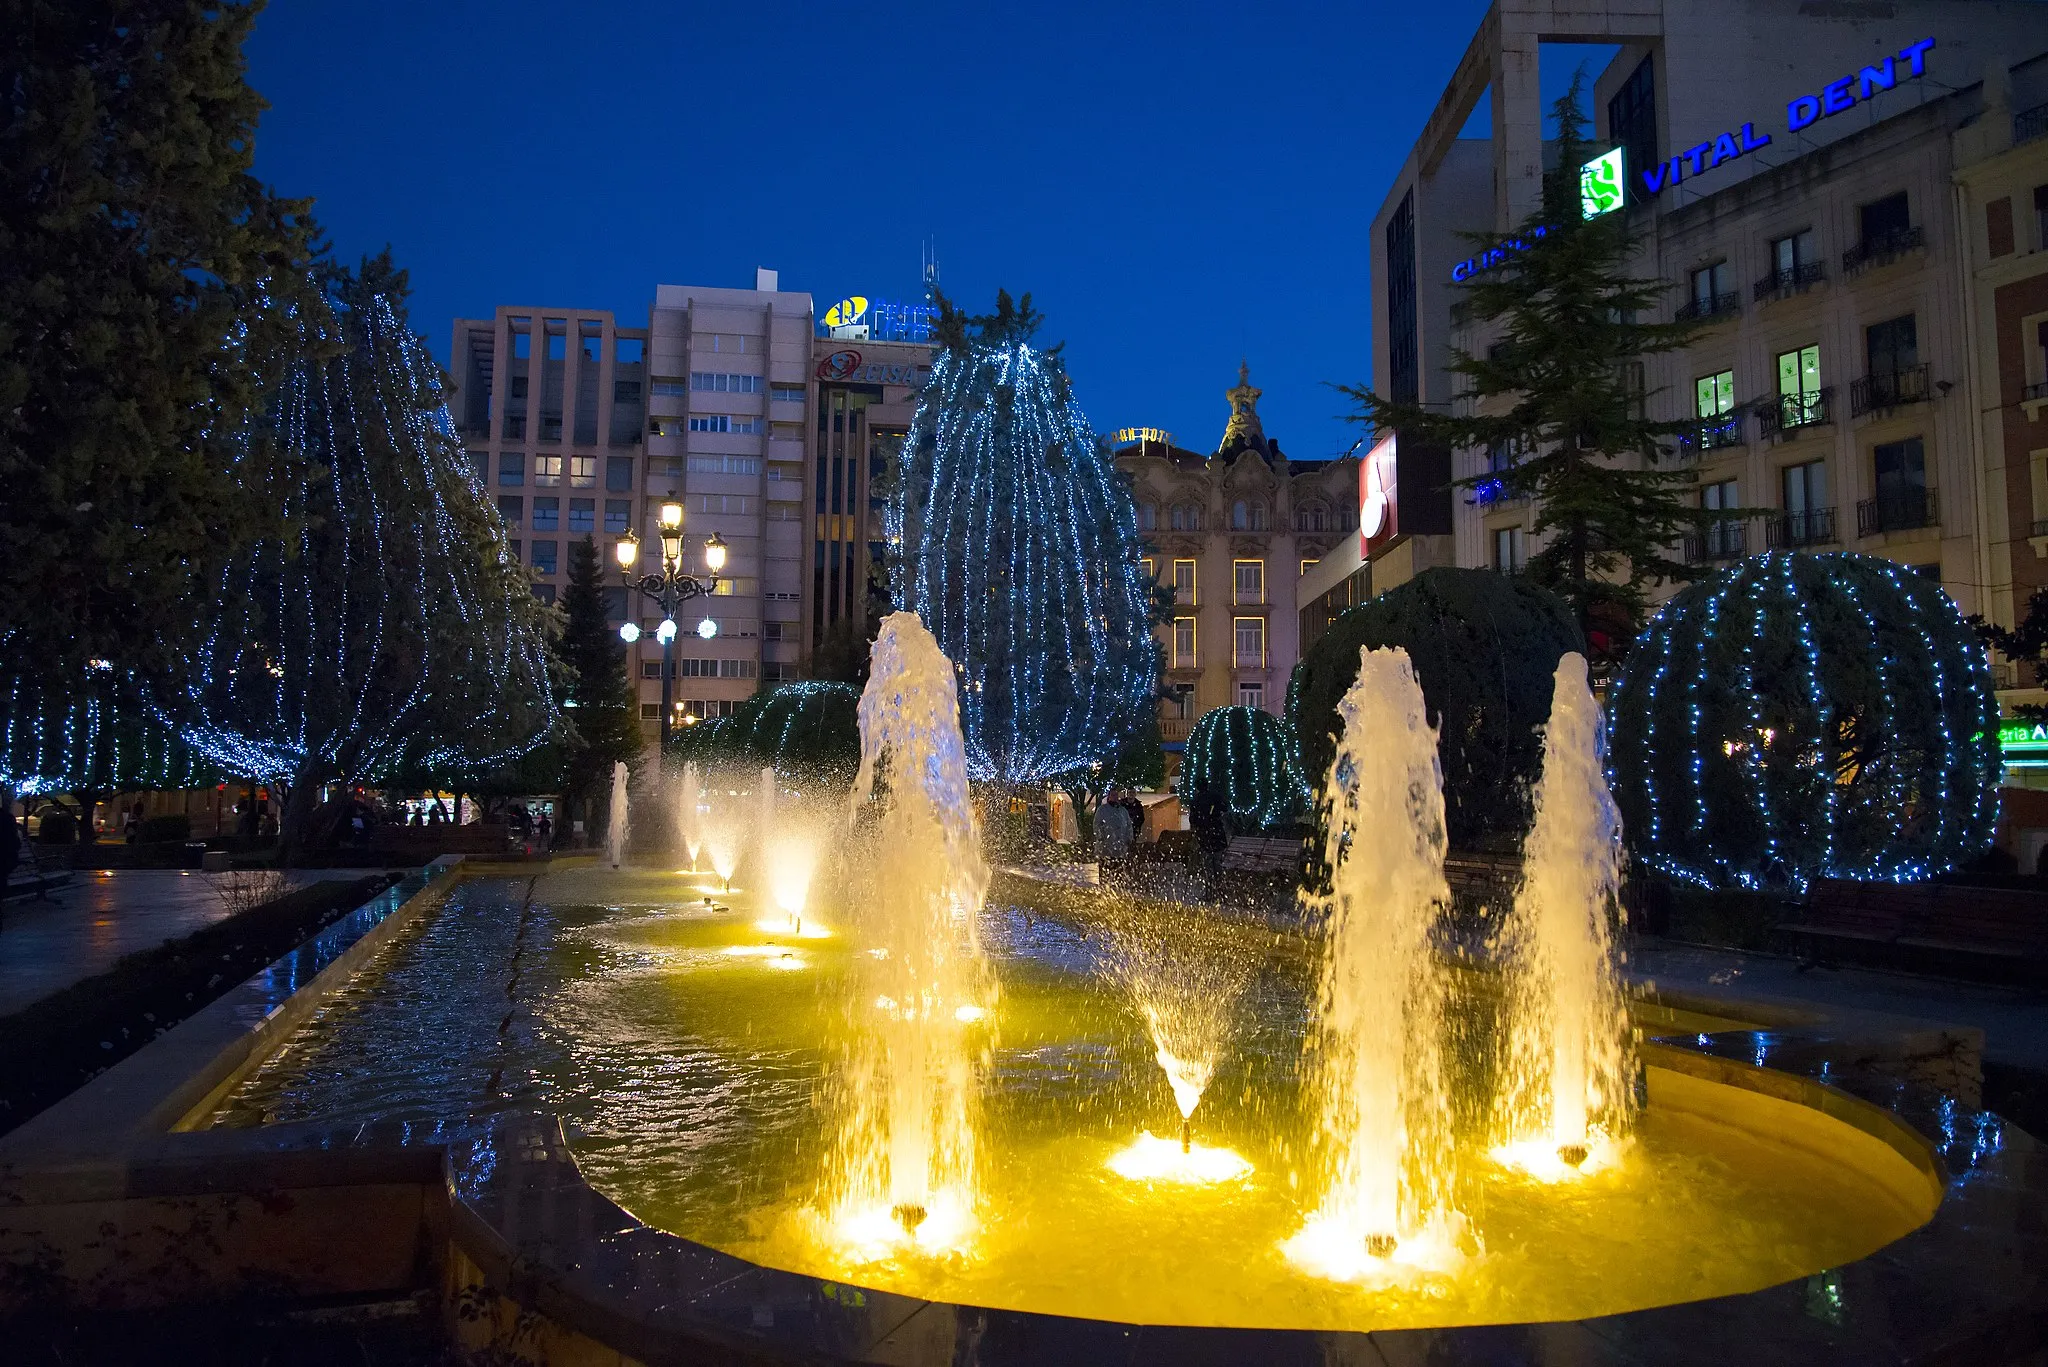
column 1600, row 182
column 1492, row 256
column 1126, row 435
column 1379, row 505
column 2024, row 744
column 855, row 319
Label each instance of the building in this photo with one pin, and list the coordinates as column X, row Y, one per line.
column 1232, row 533
column 1819, row 186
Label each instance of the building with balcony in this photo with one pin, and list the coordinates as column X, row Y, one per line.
column 1231, row 533
column 1804, row 180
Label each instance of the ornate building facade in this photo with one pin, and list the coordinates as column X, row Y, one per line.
column 1231, row 533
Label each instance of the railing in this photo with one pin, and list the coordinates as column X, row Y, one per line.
column 2035, row 391
column 1713, row 306
column 1248, row 659
column 1724, row 541
column 1713, row 434
column 1888, row 389
column 1174, row 730
column 1814, row 527
column 1883, row 249
column 1788, row 413
column 1899, row 511
column 2029, row 124
column 1792, row 280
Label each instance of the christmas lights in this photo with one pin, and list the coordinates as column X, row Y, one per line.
column 1017, row 546
column 88, row 739
column 1837, row 720
column 1244, row 756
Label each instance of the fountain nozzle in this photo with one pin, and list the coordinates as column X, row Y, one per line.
column 910, row 1215
column 1380, row 1245
column 1572, row 1154
column 1186, row 1135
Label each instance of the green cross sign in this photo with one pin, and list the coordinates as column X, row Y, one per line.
column 1600, row 182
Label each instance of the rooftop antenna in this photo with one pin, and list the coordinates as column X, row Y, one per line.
column 928, row 259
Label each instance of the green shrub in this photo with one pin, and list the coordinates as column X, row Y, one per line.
column 58, row 827
column 1242, row 757
column 175, row 826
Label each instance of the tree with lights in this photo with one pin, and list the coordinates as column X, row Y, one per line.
column 391, row 633
column 1806, row 716
column 1240, row 757
column 1017, row 546
column 1568, row 334
column 594, row 658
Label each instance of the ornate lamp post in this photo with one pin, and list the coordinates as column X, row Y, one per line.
column 671, row 588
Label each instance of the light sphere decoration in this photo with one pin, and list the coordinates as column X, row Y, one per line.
column 707, row 628
column 1802, row 716
column 1015, row 541
column 630, row 632
column 1244, row 756
column 666, row 632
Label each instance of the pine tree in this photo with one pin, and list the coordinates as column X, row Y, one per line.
column 1017, row 546
column 1564, row 309
column 137, row 250
column 594, row 659
column 391, row 634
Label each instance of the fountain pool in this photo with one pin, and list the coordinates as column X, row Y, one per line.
column 690, row 1053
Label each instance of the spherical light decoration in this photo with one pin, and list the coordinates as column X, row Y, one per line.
column 707, row 628
column 666, row 632
column 1243, row 756
column 630, row 632
column 1803, row 716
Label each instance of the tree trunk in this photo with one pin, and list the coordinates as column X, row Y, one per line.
column 295, row 813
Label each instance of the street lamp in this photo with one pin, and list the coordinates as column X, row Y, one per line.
column 671, row 587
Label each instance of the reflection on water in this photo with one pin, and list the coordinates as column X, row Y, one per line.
column 689, row 1077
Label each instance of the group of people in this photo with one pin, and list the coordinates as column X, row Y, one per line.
column 1119, row 825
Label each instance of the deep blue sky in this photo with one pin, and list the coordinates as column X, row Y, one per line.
column 1176, row 184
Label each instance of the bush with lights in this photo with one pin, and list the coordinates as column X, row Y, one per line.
column 1240, row 755
column 1484, row 645
column 1806, row 716
column 805, row 729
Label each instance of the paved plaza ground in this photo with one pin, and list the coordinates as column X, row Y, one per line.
column 99, row 916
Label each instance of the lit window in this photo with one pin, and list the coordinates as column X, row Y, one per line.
column 1250, row 639
column 1248, row 581
column 583, row 472
column 1184, row 643
column 1184, row 584
column 547, row 470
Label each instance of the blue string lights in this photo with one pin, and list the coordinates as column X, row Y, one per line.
column 91, row 737
column 1836, row 719
column 1015, row 541
column 1244, row 755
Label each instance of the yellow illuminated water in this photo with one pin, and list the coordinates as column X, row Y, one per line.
column 693, row 1064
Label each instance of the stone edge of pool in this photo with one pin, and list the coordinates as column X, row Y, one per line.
column 113, row 1198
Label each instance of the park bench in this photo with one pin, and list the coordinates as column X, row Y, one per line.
column 1263, row 854
column 1947, row 927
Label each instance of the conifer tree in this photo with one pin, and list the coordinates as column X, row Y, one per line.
column 601, row 696
column 1566, row 316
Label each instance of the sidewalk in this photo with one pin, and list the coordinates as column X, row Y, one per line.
column 100, row 916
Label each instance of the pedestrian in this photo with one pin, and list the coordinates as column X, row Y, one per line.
column 546, row 829
column 1211, row 822
column 131, row 826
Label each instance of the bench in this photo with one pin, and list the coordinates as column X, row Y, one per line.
column 1263, row 854
column 1938, row 926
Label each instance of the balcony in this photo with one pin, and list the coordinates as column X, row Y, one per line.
column 1793, row 280
column 1785, row 415
column 1888, row 389
column 1174, row 730
column 1813, row 527
column 1713, row 434
column 1726, row 541
column 1883, row 249
column 2029, row 124
column 1899, row 511
column 1713, row 306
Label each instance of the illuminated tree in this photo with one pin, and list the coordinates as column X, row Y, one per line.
column 1017, row 546
column 1241, row 756
column 1806, row 716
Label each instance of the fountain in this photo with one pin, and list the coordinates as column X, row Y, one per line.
column 689, row 818
column 1384, row 1144
column 615, row 829
column 904, row 1173
column 1567, row 1070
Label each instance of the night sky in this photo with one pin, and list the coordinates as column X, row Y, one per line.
column 1177, row 185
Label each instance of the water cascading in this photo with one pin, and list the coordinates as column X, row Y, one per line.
column 615, row 828
column 904, row 1174
column 1381, row 1176
column 689, row 821
column 1566, row 1078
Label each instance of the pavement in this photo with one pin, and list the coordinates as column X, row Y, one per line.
column 100, row 916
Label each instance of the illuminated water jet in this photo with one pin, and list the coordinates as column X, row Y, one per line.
column 689, row 816
column 1186, row 989
column 1150, row 1158
column 616, row 828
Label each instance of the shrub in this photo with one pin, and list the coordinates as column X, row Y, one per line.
column 1241, row 756
column 58, row 827
column 1806, row 716
column 174, row 826
column 1484, row 646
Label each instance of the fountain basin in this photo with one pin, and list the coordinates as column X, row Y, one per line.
column 686, row 1076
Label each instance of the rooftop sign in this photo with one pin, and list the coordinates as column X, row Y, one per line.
column 1600, row 182
column 1126, row 435
column 2024, row 744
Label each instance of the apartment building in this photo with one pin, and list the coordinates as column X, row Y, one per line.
column 1232, row 533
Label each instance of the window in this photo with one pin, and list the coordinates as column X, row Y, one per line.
column 618, row 474
column 547, row 470
column 1184, row 584
column 1901, row 468
column 650, row 669
column 1809, row 519
column 1184, row 643
column 1249, row 636
column 722, row 503
column 1790, row 252
column 515, row 550
column 670, row 389
column 511, row 468
column 772, row 631
column 1885, row 220
column 1509, row 550
column 1251, row 694
column 714, row 422
column 480, row 461
column 518, row 388
column 1715, row 394
column 1404, row 355
column 650, row 711
column 511, row 507
column 1799, row 397
column 719, row 382
column 625, row 391
column 1185, row 517
column 1632, row 120
column 1146, row 565
column 786, row 393
column 1892, row 346
column 1722, row 540
column 1180, row 701
column 547, row 513
column 725, row 465
column 1148, row 517
column 544, row 592
column 723, row 342
column 1248, row 516
column 544, row 560
column 1248, row 581
column 618, row 515
column 1713, row 289
column 582, row 514
column 583, row 472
